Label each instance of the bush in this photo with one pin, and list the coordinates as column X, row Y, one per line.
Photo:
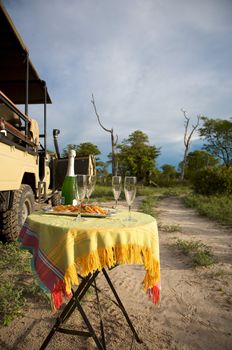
column 200, row 254
column 147, row 205
column 211, row 181
column 165, row 181
column 103, row 192
column 217, row 207
column 16, row 285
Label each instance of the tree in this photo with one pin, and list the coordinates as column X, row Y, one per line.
column 86, row 148
column 187, row 139
column 82, row 150
column 102, row 172
column 198, row 160
column 218, row 136
column 169, row 171
column 213, row 181
column 68, row 148
column 136, row 156
column 113, row 138
column 168, row 176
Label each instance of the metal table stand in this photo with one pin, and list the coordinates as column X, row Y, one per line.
column 75, row 302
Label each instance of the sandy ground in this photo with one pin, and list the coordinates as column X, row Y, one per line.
column 195, row 310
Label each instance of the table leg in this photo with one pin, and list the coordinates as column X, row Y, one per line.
column 88, row 324
column 80, row 292
column 75, row 303
column 121, row 306
column 69, row 309
column 100, row 315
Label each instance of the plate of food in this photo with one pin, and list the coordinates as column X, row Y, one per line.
column 73, row 210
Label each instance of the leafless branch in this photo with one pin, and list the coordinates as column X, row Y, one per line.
column 187, row 138
column 98, row 117
column 114, row 139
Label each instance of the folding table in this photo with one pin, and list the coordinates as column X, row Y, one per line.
column 68, row 253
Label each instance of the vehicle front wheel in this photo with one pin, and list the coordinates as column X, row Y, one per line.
column 12, row 220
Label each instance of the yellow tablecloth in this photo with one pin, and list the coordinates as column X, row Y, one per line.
column 63, row 248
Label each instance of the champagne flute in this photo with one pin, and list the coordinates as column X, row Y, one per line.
column 116, row 187
column 81, row 192
column 90, row 185
column 130, row 192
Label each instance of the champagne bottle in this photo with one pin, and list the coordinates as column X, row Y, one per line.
column 69, row 187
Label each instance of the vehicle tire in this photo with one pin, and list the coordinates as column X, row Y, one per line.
column 55, row 200
column 13, row 219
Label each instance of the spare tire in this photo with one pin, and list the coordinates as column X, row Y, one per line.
column 12, row 220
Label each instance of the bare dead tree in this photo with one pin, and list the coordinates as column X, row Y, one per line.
column 187, row 139
column 114, row 139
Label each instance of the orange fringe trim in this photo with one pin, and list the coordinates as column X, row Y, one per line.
column 109, row 257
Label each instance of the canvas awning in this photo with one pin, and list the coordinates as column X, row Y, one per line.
column 13, row 66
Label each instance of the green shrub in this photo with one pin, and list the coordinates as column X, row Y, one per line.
column 13, row 258
column 147, row 206
column 217, row 207
column 17, row 284
column 164, row 181
column 210, row 181
column 145, row 190
column 11, row 302
column 200, row 254
column 169, row 228
column 188, row 247
column 102, row 192
column 203, row 258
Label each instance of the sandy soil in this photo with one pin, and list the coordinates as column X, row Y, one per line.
column 196, row 307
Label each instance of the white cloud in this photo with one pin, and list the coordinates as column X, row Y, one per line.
column 143, row 60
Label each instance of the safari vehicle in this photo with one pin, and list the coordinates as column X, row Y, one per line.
column 28, row 172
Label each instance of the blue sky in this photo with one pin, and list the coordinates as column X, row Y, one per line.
column 143, row 60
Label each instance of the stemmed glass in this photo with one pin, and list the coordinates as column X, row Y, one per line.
column 81, row 192
column 90, row 185
column 130, row 192
column 116, row 187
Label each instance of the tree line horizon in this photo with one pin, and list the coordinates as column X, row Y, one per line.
column 135, row 155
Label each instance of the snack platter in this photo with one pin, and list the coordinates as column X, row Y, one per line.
column 73, row 210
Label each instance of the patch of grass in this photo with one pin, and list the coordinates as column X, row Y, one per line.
column 34, row 290
column 11, row 302
column 145, row 190
column 147, row 206
column 200, row 254
column 203, row 258
column 187, row 247
column 218, row 207
column 221, row 274
column 103, row 193
column 176, row 191
column 17, row 283
column 170, row 228
column 12, row 257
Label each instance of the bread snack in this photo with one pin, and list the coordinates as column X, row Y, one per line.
column 89, row 209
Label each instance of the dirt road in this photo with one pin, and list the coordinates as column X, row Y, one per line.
column 196, row 306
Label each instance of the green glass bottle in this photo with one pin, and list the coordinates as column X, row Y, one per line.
column 69, row 187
